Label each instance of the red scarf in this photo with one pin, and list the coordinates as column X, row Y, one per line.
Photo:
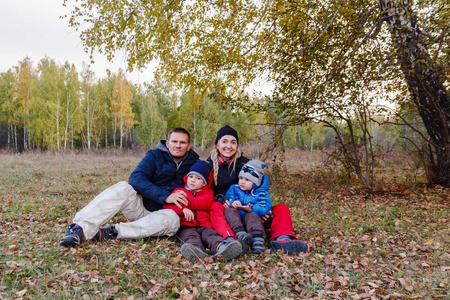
column 222, row 161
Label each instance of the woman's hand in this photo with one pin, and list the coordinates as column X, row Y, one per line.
column 267, row 217
column 188, row 214
column 226, row 204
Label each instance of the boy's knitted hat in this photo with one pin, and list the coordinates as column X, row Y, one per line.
column 201, row 168
column 253, row 171
column 226, row 130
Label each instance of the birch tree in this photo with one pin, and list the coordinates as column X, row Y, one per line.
column 49, row 92
column 151, row 127
column 73, row 117
column 6, row 104
column 121, row 105
column 93, row 109
column 307, row 49
column 24, row 75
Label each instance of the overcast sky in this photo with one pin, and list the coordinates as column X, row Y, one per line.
column 34, row 28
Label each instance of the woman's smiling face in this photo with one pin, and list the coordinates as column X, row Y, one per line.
column 227, row 147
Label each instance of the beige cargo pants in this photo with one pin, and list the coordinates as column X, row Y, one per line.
column 141, row 223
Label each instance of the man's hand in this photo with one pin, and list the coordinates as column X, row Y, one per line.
column 178, row 198
column 188, row 214
column 267, row 217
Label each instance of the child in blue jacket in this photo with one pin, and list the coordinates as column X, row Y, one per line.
column 249, row 201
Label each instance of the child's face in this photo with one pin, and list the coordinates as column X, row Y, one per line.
column 194, row 182
column 245, row 184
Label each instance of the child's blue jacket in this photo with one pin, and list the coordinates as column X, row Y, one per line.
column 258, row 197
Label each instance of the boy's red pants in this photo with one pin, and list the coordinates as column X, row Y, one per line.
column 281, row 223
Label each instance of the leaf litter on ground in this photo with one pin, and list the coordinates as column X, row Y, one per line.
column 363, row 245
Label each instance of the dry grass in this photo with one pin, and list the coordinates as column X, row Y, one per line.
column 391, row 244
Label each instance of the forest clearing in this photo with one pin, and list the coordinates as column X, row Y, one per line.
column 390, row 242
column 346, row 101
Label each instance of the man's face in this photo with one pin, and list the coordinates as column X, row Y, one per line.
column 178, row 144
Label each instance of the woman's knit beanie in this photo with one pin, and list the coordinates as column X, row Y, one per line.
column 226, row 130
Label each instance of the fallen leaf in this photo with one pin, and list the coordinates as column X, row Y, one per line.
column 342, row 281
column 112, row 290
column 13, row 265
column 314, row 279
column 21, row 293
column 374, row 285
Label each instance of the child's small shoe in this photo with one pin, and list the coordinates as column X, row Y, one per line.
column 229, row 250
column 258, row 245
column 191, row 252
column 245, row 239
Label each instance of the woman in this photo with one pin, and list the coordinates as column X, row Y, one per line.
column 226, row 161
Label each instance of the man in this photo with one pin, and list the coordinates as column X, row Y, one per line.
column 141, row 199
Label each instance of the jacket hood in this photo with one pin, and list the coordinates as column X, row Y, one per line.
column 264, row 187
column 162, row 146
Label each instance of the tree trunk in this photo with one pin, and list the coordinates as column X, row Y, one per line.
column 16, row 146
column 195, row 127
column 24, row 137
column 57, row 126
column 106, row 132
column 66, row 127
column 88, row 120
column 9, row 135
column 121, row 133
column 422, row 78
column 114, row 129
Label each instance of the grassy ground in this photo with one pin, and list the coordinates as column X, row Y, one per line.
column 391, row 243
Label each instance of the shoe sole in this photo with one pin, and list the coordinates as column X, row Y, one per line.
column 72, row 243
column 289, row 248
column 231, row 251
column 258, row 250
column 191, row 253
